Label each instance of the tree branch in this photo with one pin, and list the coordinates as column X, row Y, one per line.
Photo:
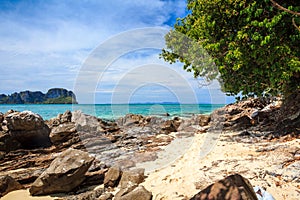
column 284, row 9
column 294, row 23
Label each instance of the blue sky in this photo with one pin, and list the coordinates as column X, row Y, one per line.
column 45, row 44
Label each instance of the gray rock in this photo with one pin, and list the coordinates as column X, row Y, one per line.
column 8, row 184
column 291, row 172
column 64, row 174
column 86, row 123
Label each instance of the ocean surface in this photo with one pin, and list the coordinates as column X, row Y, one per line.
column 114, row 111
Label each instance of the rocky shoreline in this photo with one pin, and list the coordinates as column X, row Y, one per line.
column 77, row 156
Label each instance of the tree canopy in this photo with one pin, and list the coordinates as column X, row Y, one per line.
column 255, row 45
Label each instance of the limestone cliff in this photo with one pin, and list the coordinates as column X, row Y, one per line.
column 53, row 96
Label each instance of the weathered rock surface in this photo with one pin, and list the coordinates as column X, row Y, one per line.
column 8, row 184
column 112, row 177
column 139, row 193
column 62, row 133
column 64, row 174
column 29, row 129
column 232, row 187
column 132, row 177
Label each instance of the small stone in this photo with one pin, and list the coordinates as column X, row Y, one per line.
column 112, row 177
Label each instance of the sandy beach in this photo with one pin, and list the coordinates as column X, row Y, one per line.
column 189, row 174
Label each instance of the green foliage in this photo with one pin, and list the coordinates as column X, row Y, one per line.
column 59, row 100
column 253, row 44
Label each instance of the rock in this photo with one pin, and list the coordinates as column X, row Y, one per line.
column 7, row 143
column 130, row 119
column 29, row 129
column 1, row 118
column 241, row 122
column 112, row 177
column 64, row 174
column 203, row 120
column 66, row 117
column 125, row 190
column 168, row 127
column 87, row 195
column 232, row 187
column 86, row 123
column 291, row 172
column 106, row 196
column 25, row 121
column 62, row 133
column 139, row 193
column 132, row 177
column 8, row 184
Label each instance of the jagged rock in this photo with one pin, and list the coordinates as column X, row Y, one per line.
column 64, row 174
column 29, row 129
column 8, row 184
column 125, row 190
column 86, row 123
column 7, row 143
column 62, row 133
column 133, row 177
column 66, row 117
column 139, row 193
column 232, row 187
column 203, row 120
column 112, row 177
column 130, row 119
column 168, row 127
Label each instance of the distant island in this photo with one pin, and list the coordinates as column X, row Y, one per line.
column 53, row 96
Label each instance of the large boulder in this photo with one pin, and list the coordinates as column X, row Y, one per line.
column 232, row 187
column 29, row 129
column 65, row 173
column 8, row 184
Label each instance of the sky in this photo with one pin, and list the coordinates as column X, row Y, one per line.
column 105, row 51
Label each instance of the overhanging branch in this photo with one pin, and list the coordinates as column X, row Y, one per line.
column 284, row 9
column 289, row 11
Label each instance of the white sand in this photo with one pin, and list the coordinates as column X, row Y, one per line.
column 181, row 178
column 182, row 170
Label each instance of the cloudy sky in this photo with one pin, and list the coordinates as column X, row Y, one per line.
column 105, row 51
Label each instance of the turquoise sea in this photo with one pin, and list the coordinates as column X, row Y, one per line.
column 114, row 111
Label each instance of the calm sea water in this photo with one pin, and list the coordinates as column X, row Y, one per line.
column 108, row 111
